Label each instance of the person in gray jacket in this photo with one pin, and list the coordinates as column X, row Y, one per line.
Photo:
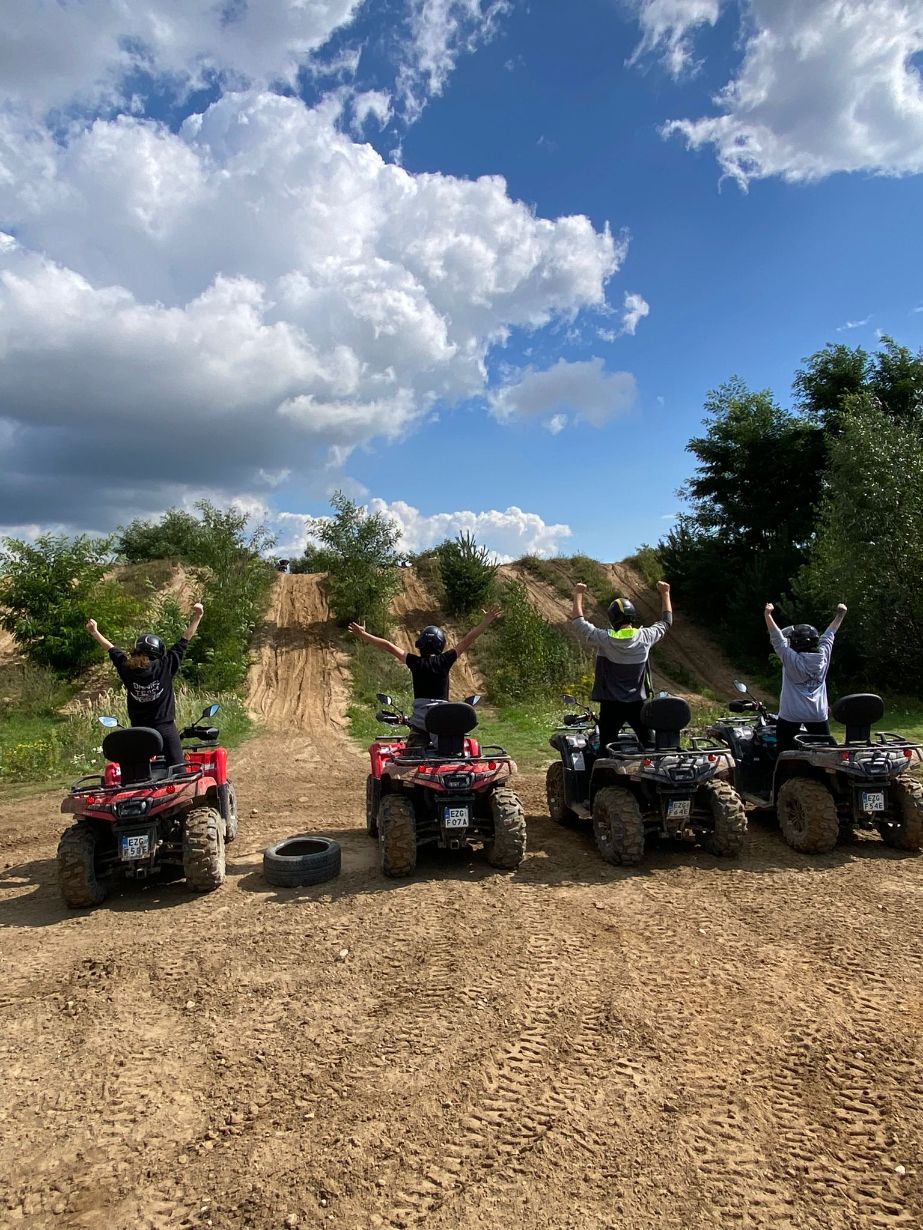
column 805, row 656
column 622, row 651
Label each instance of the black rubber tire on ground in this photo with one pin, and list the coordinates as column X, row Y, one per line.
column 807, row 816
column 233, row 817
column 299, row 861
column 618, row 826
column 397, row 836
column 729, row 817
column 507, row 846
column 558, row 810
column 372, row 801
column 907, row 807
column 81, row 884
column 203, row 849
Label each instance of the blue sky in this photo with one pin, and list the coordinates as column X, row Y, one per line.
column 263, row 249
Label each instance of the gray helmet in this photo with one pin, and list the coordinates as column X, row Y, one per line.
column 431, row 640
column 804, row 638
column 150, row 645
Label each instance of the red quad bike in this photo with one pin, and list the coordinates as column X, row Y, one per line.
column 449, row 794
column 143, row 815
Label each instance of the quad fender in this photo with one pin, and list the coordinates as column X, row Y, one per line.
column 605, row 774
column 787, row 769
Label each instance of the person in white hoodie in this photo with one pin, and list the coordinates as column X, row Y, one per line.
column 805, row 654
column 622, row 651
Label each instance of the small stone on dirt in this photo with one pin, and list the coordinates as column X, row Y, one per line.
column 189, row 1005
column 901, row 1170
column 254, row 811
column 292, row 1219
column 342, row 954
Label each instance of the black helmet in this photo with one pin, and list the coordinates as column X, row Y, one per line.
column 150, row 645
column 804, row 638
column 621, row 611
column 431, row 640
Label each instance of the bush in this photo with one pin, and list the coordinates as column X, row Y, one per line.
column 357, row 549
column 647, row 561
column 51, row 587
column 467, row 573
column 527, row 658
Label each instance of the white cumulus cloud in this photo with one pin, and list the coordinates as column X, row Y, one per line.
column 826, row 86
column 635, row 309
column 667, row 27
column 584, row 389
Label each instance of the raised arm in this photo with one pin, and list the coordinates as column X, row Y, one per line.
column 838, row 617
column 469, row 638
column 577, row 609
column 98, row 636
column 666, row 602
column 198, row 611
column 378, row 641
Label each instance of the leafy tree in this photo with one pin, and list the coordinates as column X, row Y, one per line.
column 869, row 548
column 897, row 381
column 174, row 536
column 358, row 549
column 50, row 588
column 467, row 572
column 829, row 376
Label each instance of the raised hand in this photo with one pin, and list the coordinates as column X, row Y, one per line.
column 663, row 586
column 492, row 614
column 580, row 588
column 356, row 629
column 90, row 626
column 769, row 608
column 841, row 606
column 198, row 609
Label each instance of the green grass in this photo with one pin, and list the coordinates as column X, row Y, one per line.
column 50, row 748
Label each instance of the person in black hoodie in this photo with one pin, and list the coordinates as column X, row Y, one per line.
column 148, row 673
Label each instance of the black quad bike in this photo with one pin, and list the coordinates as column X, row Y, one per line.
column 822, row 790
column 449, row 794
column 143, row 815
column 632, row 792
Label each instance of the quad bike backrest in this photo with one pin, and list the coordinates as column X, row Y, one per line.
column 857, row 712
column 666, row 716
column 450, row 723
column 132, row 750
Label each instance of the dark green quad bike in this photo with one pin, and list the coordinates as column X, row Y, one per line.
column 822, row 790
column 632, row 793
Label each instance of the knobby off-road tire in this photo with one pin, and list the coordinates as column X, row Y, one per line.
column 203, row 849
column 558, row 810
column 300, row 861
column 807, row 816
column 618, row 826
column 80, row 883
column 906, row 833
column 397, row 836
column 729, row 817
column 372, row 803
column 231, row 831
column 507, row 847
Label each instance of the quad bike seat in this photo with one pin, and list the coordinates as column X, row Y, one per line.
column 132, row 750
column 666, row 716
column 857, row 712
column 449, row 723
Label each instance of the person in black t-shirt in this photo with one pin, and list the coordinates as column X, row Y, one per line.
column 430, row 668
column 148, row 673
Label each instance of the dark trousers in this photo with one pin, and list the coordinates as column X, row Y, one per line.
column 613, row 714
column 172, row 747
column 786, row 731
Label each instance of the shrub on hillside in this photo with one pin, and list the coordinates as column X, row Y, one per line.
column 647, row 561
column 526, row 658
column 468, row 574
column 50, row 588
column 358, row 551
column 175, row 536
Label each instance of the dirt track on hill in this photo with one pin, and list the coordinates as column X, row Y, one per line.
column 572, row 1047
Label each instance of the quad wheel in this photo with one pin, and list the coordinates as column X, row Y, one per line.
column 507, row 846
column 372, row 802
column 397, row 836
column 807, row 816
column 80, row 882
column 618, row 826
column 729, row 819
column 558, row 810
column 905, row 832
column 203, row 849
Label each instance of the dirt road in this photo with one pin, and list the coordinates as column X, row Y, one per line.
column 572, row 1047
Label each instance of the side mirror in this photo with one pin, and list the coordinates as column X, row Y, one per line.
column 110, row 722
column 741, row 687
column 384, row 700
column 209, row 711
column 475, row 699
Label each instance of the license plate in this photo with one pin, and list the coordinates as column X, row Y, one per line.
column 455, row 817
column 873, row 800
column 135, row 846
column 678, row 808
